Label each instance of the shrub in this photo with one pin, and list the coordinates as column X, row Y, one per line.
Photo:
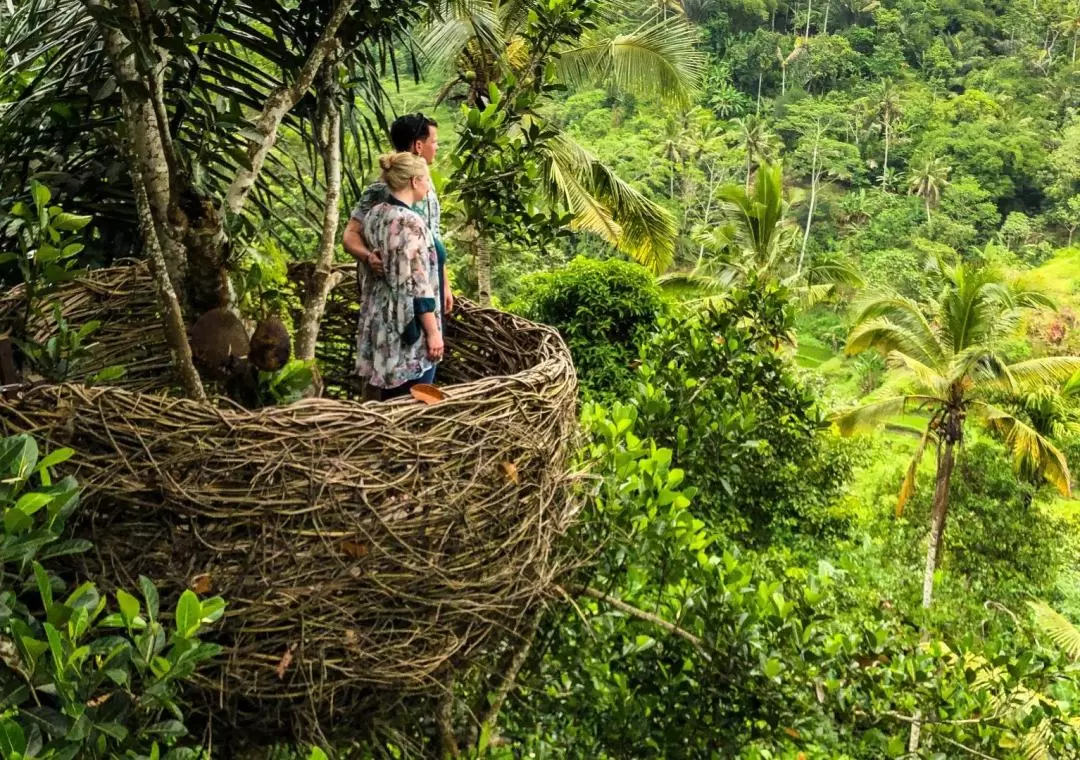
column 716, row 390
column 79, row 681
column 605, row 310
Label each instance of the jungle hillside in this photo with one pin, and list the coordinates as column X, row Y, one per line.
column 817, row 267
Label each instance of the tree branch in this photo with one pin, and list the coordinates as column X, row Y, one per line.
column 648, row 617
column 280, row 102
column 509, row 678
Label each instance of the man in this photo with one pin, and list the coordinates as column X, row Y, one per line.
column 413, row 133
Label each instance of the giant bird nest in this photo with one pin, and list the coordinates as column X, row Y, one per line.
column 381, row 545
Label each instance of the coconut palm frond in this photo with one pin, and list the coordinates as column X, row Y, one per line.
column 589, row 214
column 1032, row 452
column 1060, row 630
column 933, row 380
column 658, row 59
column 907, row 487
column 809, row 296
column 648, row 231
column 887, row 336
column 445, row 41
column 907, row 314
column 1048, row 370
column 835, row 272
column 869, row 415
column 1036, row 743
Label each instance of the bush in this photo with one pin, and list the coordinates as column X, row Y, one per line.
column 605, row 310
column 999, row 543
column 78, row 681
column 715, row 389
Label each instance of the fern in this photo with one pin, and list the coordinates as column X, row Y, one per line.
column 1062, row 632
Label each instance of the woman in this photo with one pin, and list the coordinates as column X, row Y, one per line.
column 399, row 336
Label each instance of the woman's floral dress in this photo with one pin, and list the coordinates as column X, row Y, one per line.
column 390, row 345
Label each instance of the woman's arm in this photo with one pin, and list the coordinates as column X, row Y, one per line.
column 353, row 239
column 353, row 243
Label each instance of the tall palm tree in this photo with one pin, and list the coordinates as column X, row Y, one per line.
column 927, row 182
column 758, row 142
column 478, row 40
column 887, row 109
column 949, row 350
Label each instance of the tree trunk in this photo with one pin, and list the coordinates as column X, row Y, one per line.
column 152, row 164
column 482, row 258
column 937, row 519
column 509, row 672
column 175, row 329
column 809, row 10
column 152, row 157
column 825, row 26
column 929, row 221
column 885, row 165
column 321, row 283
column 814, row 177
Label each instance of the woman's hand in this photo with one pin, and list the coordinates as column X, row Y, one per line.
column 435, row 348
column 448, row 302
column 375, row 264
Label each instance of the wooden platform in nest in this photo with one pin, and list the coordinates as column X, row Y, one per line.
column 381, row 544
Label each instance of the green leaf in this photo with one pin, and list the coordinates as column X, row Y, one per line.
column 150, row 594
column 772, row 668
column 129, row 606
column 168, row 729
column 108, row 375
column 12, row 739
column 30, row 503
column 44, row 585
column 41, row 194
column 56, row 457
column 188, row 614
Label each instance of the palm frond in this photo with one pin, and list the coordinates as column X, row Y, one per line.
column 1062, row 632
column 459, row 24
column 648, row 231
column 876, row 412
column 658, row 59
column 937, row 383
column 887, row 336
column 1048, row 370
column 920, row 339
column 1032, row 452
column 907, row 487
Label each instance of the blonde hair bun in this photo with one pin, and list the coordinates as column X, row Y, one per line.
column 399, row 169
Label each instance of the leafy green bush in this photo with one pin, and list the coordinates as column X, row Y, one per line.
column 77, row 680
column 714, row 388
column 605, row 310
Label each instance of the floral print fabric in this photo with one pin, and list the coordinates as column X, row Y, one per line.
column 388, row 353
column 428, row 209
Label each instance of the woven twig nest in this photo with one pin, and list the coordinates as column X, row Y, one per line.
column 381, row 544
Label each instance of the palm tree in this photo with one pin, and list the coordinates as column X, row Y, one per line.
column 481, row 39
column 757, row 141
column 758, row 240
column 887, row 108
column 927, row 182
column 949, row 350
